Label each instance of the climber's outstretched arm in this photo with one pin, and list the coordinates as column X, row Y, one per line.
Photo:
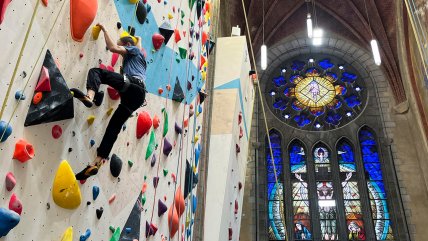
column 112, row 46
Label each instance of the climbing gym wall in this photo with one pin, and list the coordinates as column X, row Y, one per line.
column 147, row 190
column 232, row 107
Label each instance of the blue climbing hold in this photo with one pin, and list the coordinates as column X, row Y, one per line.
column 95, row 192
column 148, row 7
column 85, row 236
column 197, row 154
column 92, row 142
column 19, row 95
column 8, row 220
column 128, row 230
column 200, row 108
column 6, row 129
column 194, row 203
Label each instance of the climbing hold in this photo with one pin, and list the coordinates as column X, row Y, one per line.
column 10, row 181
column 68, row 234
column 160, row 91
column 44, row 83
column 156, row 121
column 115, row 165
column 65, row 190
column 96, row 32
column 202, row 96
column 238, row 149
column 186, row 123
column 143, row 200
column 92, row 142
column 37, row 98
column 114, row 58
column 177, row 36
column 5, row 131
column 3, row 7
column 183, row 52
column 236, row 206
column 70, row 149
column 194, row 203
column 19, row 95
column 141, row 12
column 128, row 230
column 203, row 60
column 174, row 178
column 102, row 66
column 166, row 31
column 133, row 1
column 15, row 204
column 81, row 55
column 119, row 25
column 95, row 192
column 111, row 228
column 90, row 119
column 165, row 172
column 153, row 161
column 109, row 68
column 56, row 131
column 8, row 220
column 157, row 40
column 178, row 94
column 24, row 151
column 151, row 229
column 241, row 132
column 178, row 129
column 82, row 13
column 109, row 111
column 114, row 95
column 162, row 208
column 204, row 37
column 112, row 198
column 131, row 31
column 86, row 235
column 152, row 144
column 130, row 163
column 116, row 235
column 170, row 16
column 196, row 138
column 179, row 201
column 197, row 154
column 149, row 8
column 239, row 118
column 191, row 113
column 173, row 220
column 144, row 188
column 189, row 85
column 165, row 122
column 99, row 212
column 155, row 181
column 144, row 123
column 167, row 147
column 230, row 233
column 239, row 186
column 168, row 87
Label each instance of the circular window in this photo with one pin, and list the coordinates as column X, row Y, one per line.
column 316, row 93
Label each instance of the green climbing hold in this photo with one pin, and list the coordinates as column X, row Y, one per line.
column 191, row 3
column 116, row 235
column 165, row 172
column 145, row 177
column 165, row 123
column 192, row 24
column 183, row 52
column 182, row 22
column 111, row 228
column 151, row 146
column 177, row 60
column 130, row 163
column 182, row 14
column 143, row 200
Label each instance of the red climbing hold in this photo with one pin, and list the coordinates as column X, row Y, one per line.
column 203, row 60
column 160, row 91
column 174, row 178
column 15, row 204
column 3, row 6
column 241, row 132
column 144, row 123
column 56, row 131
column 204, row 37
column 236, row 206
column 114, row 95
column 109, row 68
column 177, row 36
column 82, row 14
column 10, row 181
column 230, row 233
column 24, row 151
column 81, row 55
column 179, row 201
column 45, row 2
column 238, row 149
column 186, row 123
column 156, row 121
column 157, row 40
column 173, row 221
column 44, row 83
column 239, row 118
column 114, row 59
column 102, row 66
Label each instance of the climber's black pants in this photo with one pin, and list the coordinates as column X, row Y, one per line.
column 130, row 100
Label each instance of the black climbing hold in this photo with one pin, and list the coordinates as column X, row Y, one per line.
column 57, row 104
column 141, row 12
column 169, row 183
column 202, row 96
column 23, row 74
column 119, row 25
column 161, row 208
column 88, row 203
column 133, row 222
column 166, row 31
column 99, row 212
column 48, row 206
column 155, row 181
column 210, row 46
column 70, row 149
column 115, row 165
column 178, row 94
column 190, row 180
column 131, row 30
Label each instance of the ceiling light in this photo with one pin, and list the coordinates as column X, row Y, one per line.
column 283, row 71
column 309, row 25
column 317, row 36
column 375, row 51
column 348, row 114
column 272, row 93
column 287, row 116
column 264, row 57
column 317, row 125
column 358, row 89
column 341, row 67
column 311, row 60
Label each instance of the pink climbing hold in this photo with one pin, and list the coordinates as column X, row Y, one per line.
column 144, row 123
column 24, row 151
column 174, row 178
column 114, row 95
column 56, row 131
column 144, row 188
column 177, row 36
column 3, row 7
column 15, row 204
column 10, row 181
column 157, row 40
column 44, row 83
column 112, row 198
column 179, row 201
column 114, row 59
column 156, row 121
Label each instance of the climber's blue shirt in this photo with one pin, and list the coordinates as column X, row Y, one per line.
column 134, row 63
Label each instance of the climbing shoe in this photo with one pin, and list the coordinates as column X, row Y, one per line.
column 82, row 97
column 87, row 172
column 98, row 98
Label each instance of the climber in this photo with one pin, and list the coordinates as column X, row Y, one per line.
column 130, row 86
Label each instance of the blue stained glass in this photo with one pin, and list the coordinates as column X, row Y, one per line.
column 271, row 175
column 302, row 120
column 333, row 118
column 296, row 107
column 288, row 91
column 345, row 153
column 370, row 154
column 297, row 154
column 297, row 65
column 374, row 171
column 353, row 101
column 312, row 71
column 383, row 230
column 349, row 77
column 294, row 77
column 367, row 138
column 347, row 167
column 335, row 104
column 300, row 168
column 376, row 189
column 332, row 75
column 325, row 64
column 279, row 81
column 280, row 104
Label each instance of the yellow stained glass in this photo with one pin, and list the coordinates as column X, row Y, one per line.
column 315, row 91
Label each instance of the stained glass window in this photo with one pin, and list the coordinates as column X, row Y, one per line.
column 375, row 185
column 351, row 193
column 300, row 197
column 275, row 191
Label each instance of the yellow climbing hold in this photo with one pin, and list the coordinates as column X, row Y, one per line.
column 96, row 32
column 133, row 1
column 187, row 220
column 109, row 111
column 90, row 119
column 204, row 75
column 170, row 16
column 194, row 169
column 65, row 190
column 196, row 138
column 68, row 234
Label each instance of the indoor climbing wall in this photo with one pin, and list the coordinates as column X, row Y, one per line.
column 147, row 189
column 233, row 100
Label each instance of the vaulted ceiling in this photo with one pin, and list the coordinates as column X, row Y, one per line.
column 345, row 18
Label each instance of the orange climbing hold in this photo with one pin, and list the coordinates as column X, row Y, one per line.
column 156, row 121
column 173, row 221
column 204, row 37
column 186, row 123
column 3, row 6
column 24, row 151
column 177, row 36
column 45, row 2
column 203, row 60
column 44, row 83
column 168, row 87
column 160, row 90
column 37, row 98
column 82, row 14
column 179, row 201
column 144, row 188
